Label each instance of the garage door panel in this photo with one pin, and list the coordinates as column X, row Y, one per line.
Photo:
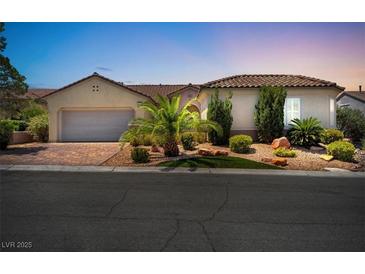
column 101, row 125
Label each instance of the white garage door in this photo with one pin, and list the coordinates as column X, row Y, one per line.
column 94, row 125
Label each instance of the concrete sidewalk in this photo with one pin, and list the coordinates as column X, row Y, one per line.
column 268, row 172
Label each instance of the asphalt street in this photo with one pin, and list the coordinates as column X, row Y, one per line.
column 86, row 211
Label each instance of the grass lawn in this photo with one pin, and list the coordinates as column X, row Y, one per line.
column 218, row 162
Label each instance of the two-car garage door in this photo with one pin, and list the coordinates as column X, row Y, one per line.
column 94, row 125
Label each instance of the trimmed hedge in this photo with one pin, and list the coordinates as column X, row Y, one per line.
column 140, row 155
column 331, row 135
column 283, row 152
column 240, row 143
column 341, row 150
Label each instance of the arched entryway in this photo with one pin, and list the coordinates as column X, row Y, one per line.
column 193, row 108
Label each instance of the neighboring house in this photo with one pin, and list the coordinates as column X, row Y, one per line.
column 96, row 108
column 353, row 99
column 37, row 94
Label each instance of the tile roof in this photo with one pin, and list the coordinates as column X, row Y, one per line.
column 149, row 91
column 36, row 93
column 360, row 96
column 258, row 80
column 153, row 90
column 237, row 81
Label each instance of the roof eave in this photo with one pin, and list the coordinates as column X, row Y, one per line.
column 99, row 76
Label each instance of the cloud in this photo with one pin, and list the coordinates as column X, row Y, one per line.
column 104, row 69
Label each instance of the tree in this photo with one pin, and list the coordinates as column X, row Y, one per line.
column 351, row 122
column 12, row 84
column 269, row 114
column 219, row 111
column 168, row 122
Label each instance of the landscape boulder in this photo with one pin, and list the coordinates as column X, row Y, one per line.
column 280, row 142
column 205, row 152
column 316, row 149
column 279, row 161
column 266, row 159
column 326, row 157
column 155, row 148
column 220, row 153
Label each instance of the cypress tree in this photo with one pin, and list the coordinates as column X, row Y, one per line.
column 220, row 111
column 269, row 114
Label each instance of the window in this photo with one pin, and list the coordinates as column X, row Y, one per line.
column 291, row 110
column 332, row 113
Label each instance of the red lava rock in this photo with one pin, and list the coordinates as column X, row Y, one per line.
column 205, row 152
column 220, row 153
column 266, row 159
column 280, row 142
column 279, row 161
column 154, row 148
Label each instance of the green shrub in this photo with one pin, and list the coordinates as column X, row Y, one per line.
column 187, row 140
column 135, row 142
column 19, row 125
column 331, row 135
column 147, row 140
column 38, row 126
column 159, row 140
column 363, row 144
column 240, row 143
column 283, row 152
column 199, row 137
column 33, row 109
column 305, row 132
column 140, row 155
column 351, row 122
column 6, row 129
column 219, row 111
column 341, row 150
column 269, row 113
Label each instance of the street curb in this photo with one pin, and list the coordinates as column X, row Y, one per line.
column 180, row 170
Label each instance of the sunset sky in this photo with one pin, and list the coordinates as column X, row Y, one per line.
column 55, row 54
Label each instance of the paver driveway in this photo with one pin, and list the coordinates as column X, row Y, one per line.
column 58, row 153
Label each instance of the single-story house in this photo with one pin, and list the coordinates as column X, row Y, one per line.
column 96, row 108
column 352, row 99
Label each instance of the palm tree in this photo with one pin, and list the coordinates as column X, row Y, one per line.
column 168, row 122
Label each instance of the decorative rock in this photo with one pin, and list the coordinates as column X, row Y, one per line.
column 316, row 149
column 266, row 159
column 322, row 145
column 326, row 157
column 346, row 140
column 280, row 142
column 220, row 153
column 280, row 161
column 154, row 148
column 205, row 152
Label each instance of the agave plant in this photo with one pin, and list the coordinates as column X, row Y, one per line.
column 305, row 132
column 167, row 122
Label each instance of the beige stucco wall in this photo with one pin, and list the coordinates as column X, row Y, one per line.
column 187, row 95
column 81, row 96
column 314, row 102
